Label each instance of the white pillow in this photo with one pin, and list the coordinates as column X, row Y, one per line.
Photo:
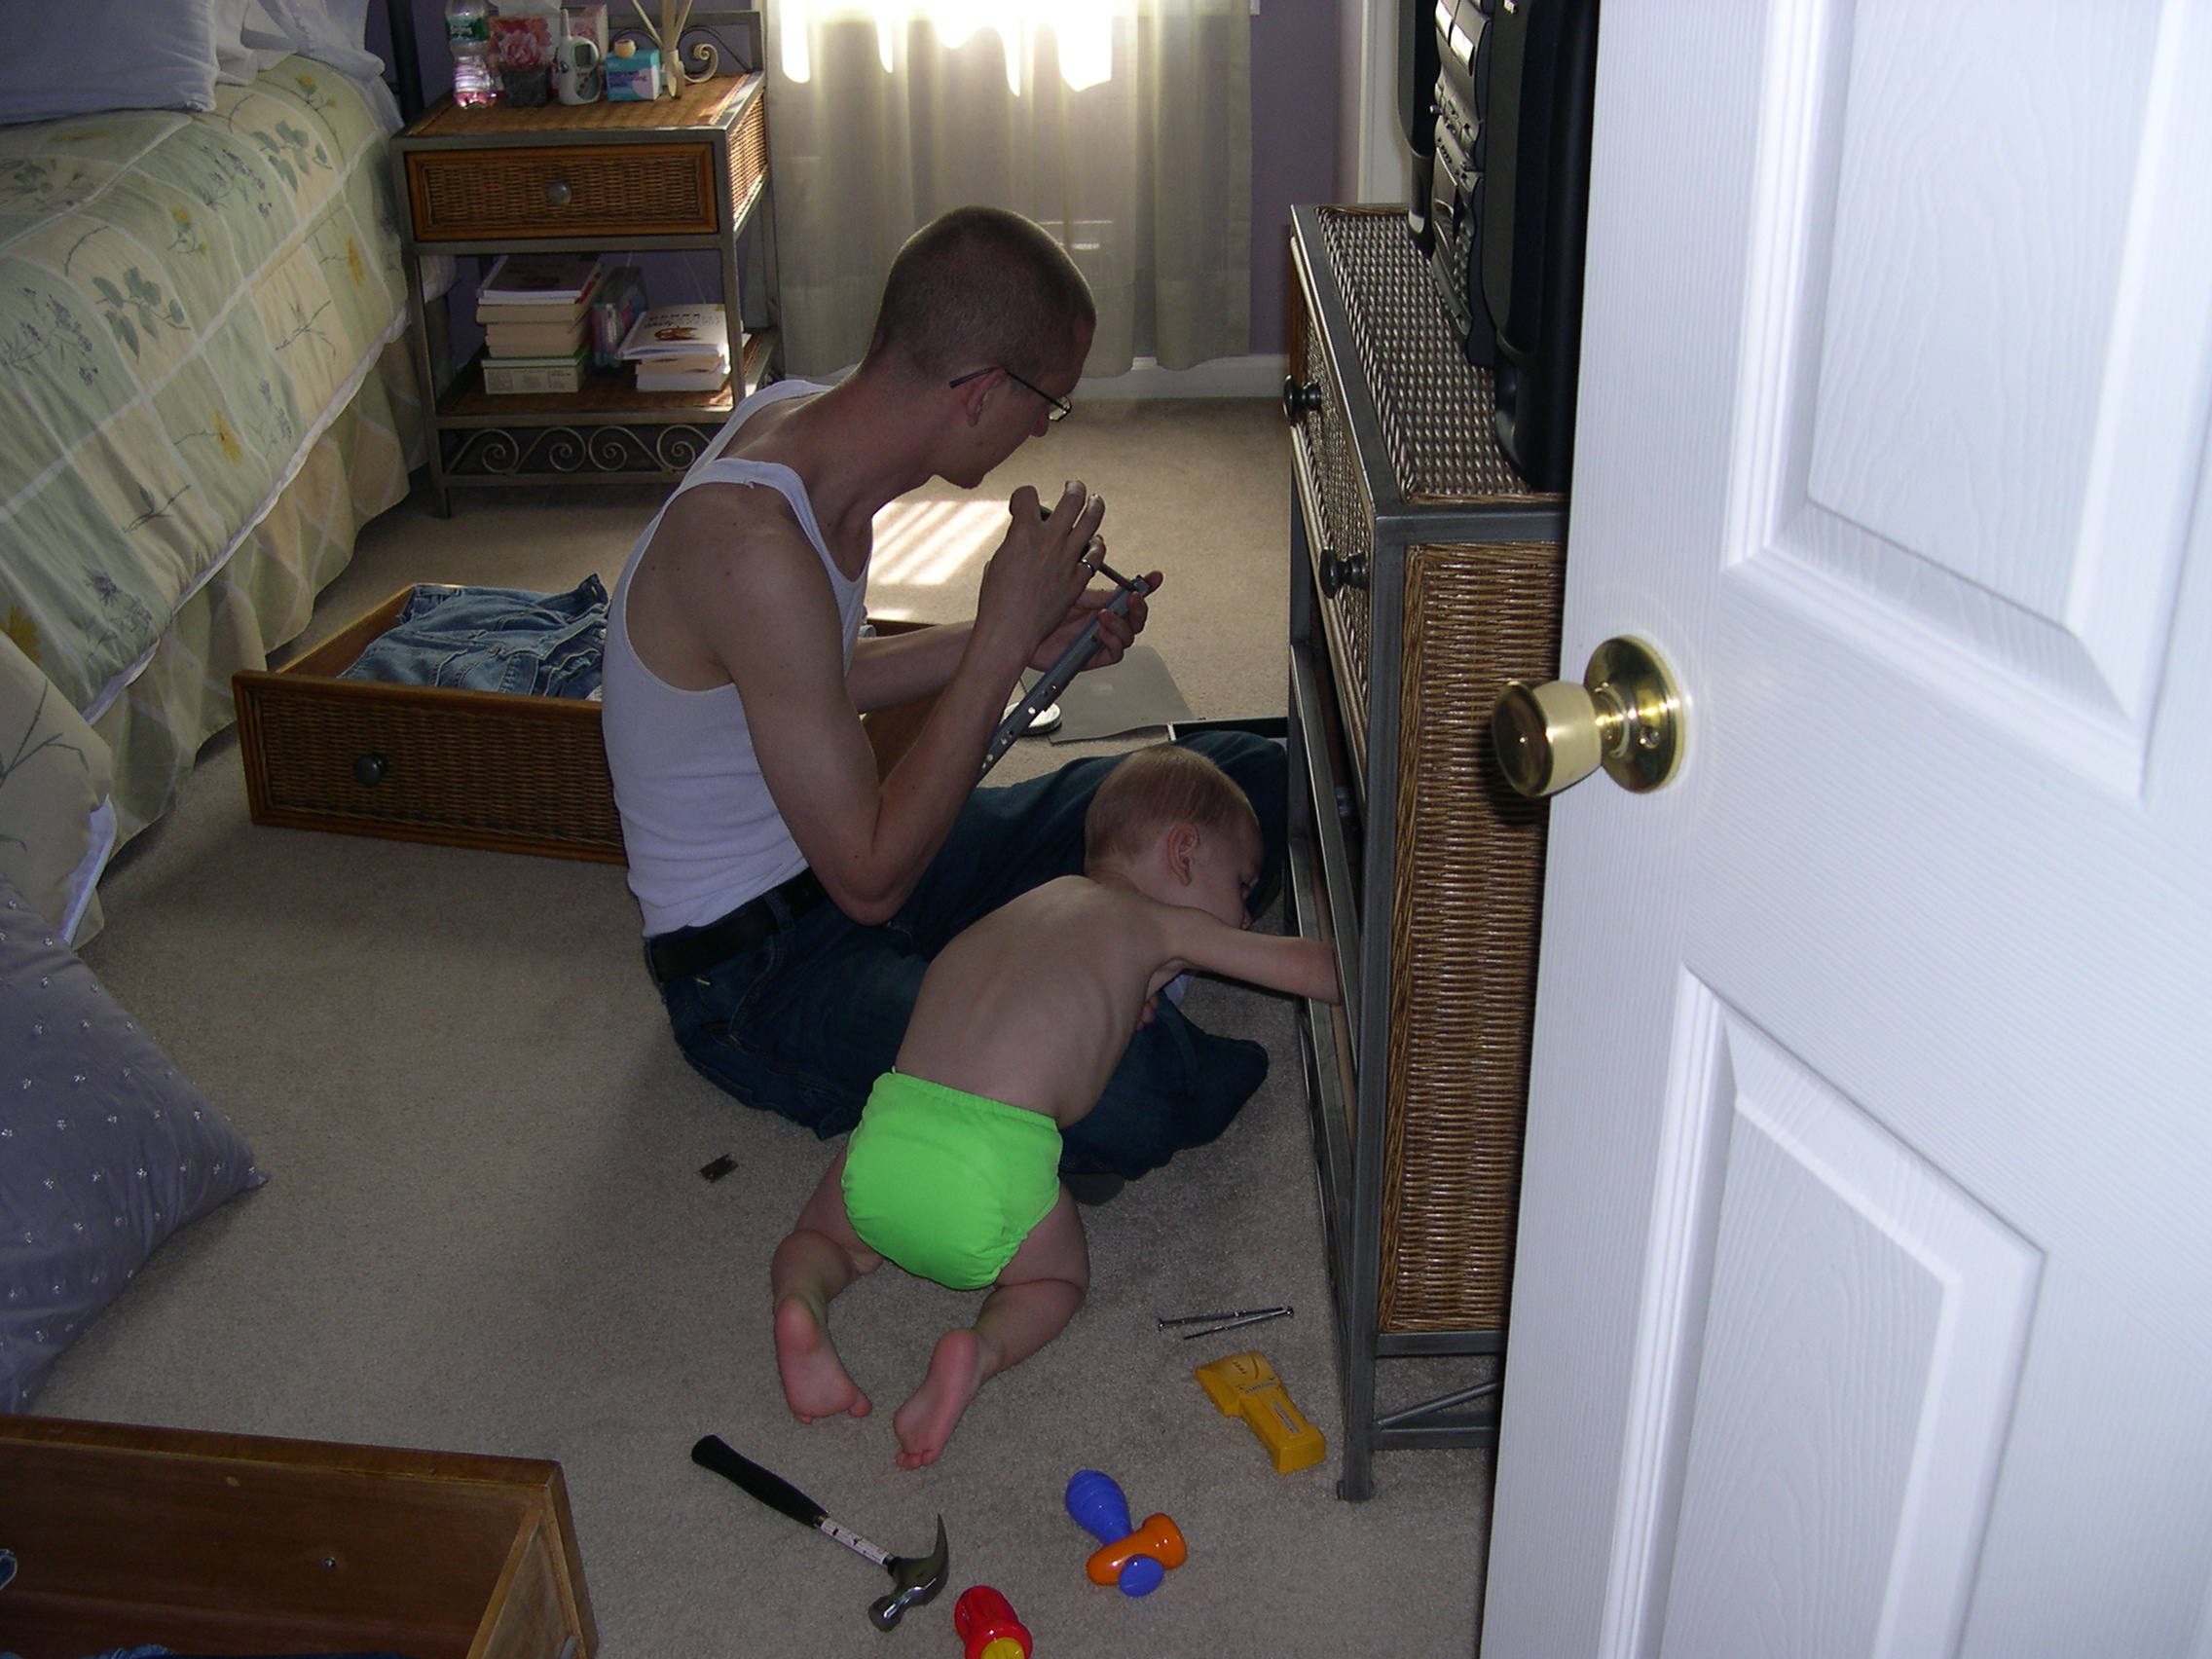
column 95, row 55
column 253, row 35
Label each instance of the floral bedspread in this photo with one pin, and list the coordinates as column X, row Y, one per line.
column 186, row 302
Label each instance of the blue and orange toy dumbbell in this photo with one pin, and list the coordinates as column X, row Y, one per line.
column 1135, row 1557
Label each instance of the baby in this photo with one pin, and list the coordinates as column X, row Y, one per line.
column 954, row 1171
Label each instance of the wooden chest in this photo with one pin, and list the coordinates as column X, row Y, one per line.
column 1425, row 574
column 230, row 1543
column 462, row 768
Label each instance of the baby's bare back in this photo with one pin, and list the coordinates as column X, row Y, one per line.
column 1034, row 1004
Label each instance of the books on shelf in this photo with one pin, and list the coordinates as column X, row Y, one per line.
column 534, row 339
column 651, row 378
column 680, row 348
column 510, row 377
column 536, row 280
column 677, row 331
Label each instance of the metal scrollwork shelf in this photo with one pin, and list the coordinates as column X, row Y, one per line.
column 533, row 452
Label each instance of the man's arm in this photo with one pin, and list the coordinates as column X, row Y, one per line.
column 763, row 604
column 1304, row 965
column 899, row 667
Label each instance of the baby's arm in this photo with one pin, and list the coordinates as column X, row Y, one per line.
column 1304, row 965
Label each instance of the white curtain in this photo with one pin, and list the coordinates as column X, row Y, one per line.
column 1121, row 126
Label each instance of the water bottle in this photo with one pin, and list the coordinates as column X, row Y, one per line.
column 468, row 37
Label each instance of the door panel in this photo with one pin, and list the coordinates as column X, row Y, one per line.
column 1976, row 350
column 1864, row 1291
column 1862, row 1344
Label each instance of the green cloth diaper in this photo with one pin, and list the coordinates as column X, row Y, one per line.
column 948, row 1184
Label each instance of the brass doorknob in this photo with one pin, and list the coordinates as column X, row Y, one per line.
column 1626, row 716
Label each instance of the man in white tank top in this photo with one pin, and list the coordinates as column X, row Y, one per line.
column 734, row 686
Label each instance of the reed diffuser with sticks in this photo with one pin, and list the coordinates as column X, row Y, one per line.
column 667, row 37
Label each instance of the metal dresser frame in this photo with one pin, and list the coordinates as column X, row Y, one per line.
column 1344, row 1049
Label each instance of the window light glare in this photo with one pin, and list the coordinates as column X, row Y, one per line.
column 1081, row 35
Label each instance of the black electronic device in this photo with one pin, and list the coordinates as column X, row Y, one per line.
column 1455, row 181
column 1417, row 107
column 1508, row 196
column 1543, row 65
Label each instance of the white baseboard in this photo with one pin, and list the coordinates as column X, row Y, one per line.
column 1258, row 376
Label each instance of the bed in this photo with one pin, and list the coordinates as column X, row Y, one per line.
column 204, row 391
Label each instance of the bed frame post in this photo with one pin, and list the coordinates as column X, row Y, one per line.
column 406, row 66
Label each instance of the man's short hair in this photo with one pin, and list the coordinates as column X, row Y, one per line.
column 1157, row 788
column 981, row 287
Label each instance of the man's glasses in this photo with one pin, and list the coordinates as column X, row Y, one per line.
column 1062, row 407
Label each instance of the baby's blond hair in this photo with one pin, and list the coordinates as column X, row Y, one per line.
column 1156, row 787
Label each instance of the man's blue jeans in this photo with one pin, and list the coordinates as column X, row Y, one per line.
column 804, row 1023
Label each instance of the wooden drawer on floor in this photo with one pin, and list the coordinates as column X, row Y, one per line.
column 231, row 1544
column 460, row 768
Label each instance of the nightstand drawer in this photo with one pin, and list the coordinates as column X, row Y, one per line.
column 617, row 190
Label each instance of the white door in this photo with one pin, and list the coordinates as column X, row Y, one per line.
column 1863, row 1299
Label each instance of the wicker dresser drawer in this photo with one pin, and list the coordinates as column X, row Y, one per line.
column 637, row 190
column 487, row 769
column 610, row 186
column 1341, row 540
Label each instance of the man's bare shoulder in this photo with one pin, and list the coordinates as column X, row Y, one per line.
column 725, row 557
column 714, row 526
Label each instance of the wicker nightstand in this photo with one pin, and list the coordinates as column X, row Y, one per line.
column 683, row 172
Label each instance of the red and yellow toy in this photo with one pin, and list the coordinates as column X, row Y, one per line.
column 984, row 1620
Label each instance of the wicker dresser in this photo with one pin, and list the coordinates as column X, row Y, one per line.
column 1424, row 576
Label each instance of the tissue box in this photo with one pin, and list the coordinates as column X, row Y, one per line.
column 635, row 79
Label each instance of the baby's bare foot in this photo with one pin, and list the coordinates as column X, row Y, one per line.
column 925, row 1423
column 815, row 1384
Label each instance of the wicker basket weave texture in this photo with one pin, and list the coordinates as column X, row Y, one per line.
column 639, row 189
column 748, row 156
column 447, row 767
column 1435, row 407
column 1467, row 903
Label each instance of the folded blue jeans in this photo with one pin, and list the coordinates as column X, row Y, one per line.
column 803, row 1023
column 487, row 638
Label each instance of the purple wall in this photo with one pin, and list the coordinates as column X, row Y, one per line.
column 1294, row 142
column 1294, row 134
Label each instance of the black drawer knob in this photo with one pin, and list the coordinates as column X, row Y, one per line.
column 1300, row 397
column 558, row 193
column 1342, row 570
column 369, row 770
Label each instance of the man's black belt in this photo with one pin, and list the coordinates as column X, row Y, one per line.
column 694, row 950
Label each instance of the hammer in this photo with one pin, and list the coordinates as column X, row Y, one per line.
column 916, row 1580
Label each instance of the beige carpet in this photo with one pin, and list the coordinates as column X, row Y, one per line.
column 484, row 1230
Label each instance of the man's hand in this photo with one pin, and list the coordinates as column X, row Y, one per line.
column 1116, row 633
column 1035, row 580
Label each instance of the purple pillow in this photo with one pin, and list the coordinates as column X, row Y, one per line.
column 104, row 1150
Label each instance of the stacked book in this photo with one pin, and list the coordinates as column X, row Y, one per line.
column 680, row 348
column 535, row 310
